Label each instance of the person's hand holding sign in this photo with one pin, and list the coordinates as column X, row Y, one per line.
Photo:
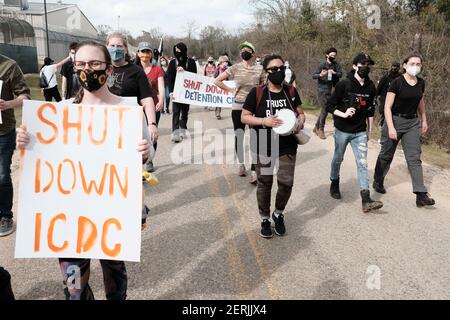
column 23, row 138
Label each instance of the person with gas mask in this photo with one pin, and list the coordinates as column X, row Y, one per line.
column 353, row 105
column 383, row 87
column 327, row 75
column 93, row 66
column 405, row 121
column 260, row 111
column 155, row 75
column 180, row 111
column 246, row 75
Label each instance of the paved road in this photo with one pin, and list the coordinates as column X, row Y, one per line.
column 203, row 242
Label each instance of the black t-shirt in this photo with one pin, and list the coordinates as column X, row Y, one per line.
column 407, row 97
column 130, row 81
column 72, row 82
column 287, row 144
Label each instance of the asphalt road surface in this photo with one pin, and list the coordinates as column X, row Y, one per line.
column 202, row 240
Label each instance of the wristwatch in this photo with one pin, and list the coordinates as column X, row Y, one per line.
column 154, row 124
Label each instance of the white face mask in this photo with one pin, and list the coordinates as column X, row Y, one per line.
column 413, row 70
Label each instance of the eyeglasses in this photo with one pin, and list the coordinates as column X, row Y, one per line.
column 276, row 69
column 94, row 64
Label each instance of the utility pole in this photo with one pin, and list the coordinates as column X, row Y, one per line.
column 46, row 28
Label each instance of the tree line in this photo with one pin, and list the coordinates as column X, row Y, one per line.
column 301, row 31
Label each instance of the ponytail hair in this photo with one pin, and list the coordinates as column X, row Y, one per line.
column 79, row 96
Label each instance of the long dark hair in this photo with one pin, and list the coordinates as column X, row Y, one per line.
column 80, row 94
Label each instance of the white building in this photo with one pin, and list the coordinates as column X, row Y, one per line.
column 66, row 24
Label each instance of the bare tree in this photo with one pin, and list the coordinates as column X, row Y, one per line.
column 191, row 29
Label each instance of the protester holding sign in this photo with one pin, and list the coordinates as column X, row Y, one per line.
column 222, row 66
column 261, row 113
column 13, row 90
column 246, row 75
column 94, row 66
column 180, row 110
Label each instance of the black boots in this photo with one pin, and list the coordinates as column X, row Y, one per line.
column 368, row 204
column 422, row 200
column 379, row 187
column 334, row 189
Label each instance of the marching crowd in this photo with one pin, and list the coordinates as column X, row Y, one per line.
column 265, row 87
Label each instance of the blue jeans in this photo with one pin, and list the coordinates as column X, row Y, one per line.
column 359, row 144
column 7, row 146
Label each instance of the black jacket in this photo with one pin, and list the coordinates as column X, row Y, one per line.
column 349, row 93
column 383, row 87
column 183, row 61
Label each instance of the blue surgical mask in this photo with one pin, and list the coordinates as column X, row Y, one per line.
column 117, row 54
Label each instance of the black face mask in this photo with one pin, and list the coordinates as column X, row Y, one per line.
column 331, row 59
column 92, row 80
column 179, row 56
column 394, row 71
column 363, row 72
column 277, row 77
column 246, row 55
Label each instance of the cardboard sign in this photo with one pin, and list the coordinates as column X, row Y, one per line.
column 197, row 90
column 80, row 192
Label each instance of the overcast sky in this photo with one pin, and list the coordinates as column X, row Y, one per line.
column 171, row 16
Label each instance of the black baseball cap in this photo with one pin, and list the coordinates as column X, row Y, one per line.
column 363, row 58
column 48, row 61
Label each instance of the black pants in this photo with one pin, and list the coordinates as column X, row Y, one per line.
column 180, row 116
column 239, row 133
column 49, row 94
column 6, row 293
column 115, row 279
column 323, row 98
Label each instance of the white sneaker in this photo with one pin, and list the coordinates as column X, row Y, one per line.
column 253, row 178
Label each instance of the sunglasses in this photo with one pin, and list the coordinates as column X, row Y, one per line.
column 276, row 69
